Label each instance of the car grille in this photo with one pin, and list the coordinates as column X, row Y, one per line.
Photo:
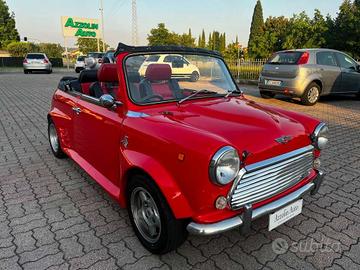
column 265, row 179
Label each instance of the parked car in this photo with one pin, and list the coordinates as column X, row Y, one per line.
column 309, row 74
column 80, row 63
column 37, row 62
column 91, row 56
column 109, row 57
column 185, row 157
column 181, row 67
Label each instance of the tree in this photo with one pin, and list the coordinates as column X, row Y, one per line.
column 203, row 40
column 300, row 32
column 256, row 30
column 8, row 31
column 210, row 44
column 162, row 36
column 87, row 45
column 20, row 49
column 52, row 50
column 185, row 40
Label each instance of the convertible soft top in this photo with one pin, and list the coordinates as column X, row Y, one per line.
column 151, row 49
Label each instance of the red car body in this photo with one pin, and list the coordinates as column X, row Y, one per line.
column 173, row 144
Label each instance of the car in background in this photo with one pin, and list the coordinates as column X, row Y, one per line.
column 181, row 67
column 37, row 62
column 309, row 74
column 97, row 56
column 109, row 57
column 80, row 63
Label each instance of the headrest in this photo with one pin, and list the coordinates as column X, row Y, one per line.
column 134, row 77
column 108, row 73
column 158, row 72
column 88, row 75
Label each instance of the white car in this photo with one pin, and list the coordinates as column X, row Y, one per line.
column 181, row 67
column 80, row 64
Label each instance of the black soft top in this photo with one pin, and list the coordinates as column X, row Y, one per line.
column 160, row 49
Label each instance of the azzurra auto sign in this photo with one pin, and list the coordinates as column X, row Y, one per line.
column 80, row 27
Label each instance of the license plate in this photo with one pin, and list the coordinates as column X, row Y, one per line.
column 285, row 214
column 273, row 83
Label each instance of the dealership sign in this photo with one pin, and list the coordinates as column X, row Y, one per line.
column 80, row 27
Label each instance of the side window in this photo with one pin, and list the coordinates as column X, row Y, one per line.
column 345, row 61
column 168, row 59
column 326, row 59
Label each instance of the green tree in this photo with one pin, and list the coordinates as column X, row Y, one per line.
column 20, row 49
column 256, row 30
column 52, row 50
column 210, row 44
column 162, row 36
column 300, row 32
column 276, row 29
column 185, row 40
column 8, row 31
column 203, row 40
column 87, row 45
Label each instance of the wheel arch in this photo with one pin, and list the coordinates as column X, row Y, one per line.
column 139, row 163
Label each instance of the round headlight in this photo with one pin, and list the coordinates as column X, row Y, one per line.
column 320, row 136
column 224, row 166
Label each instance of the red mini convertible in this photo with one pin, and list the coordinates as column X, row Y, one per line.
column 184, row 156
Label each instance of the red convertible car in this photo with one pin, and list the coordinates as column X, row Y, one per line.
column 185, row 157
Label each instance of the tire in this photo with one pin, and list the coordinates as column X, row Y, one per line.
column 77, row 70
column 195, row 76
column 49, row 71
column 267, row 94
column 143, row 196
column 25, row 71
column 311, row 94
column 54, row 141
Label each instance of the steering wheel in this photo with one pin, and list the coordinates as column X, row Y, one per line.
column 153, row 96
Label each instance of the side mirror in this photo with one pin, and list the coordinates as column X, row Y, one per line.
column 107, row 101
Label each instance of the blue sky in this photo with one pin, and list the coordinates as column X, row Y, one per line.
column 39, row 19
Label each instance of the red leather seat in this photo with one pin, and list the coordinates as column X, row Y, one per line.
column 108, row 81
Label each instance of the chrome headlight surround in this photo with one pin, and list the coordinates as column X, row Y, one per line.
column 320, row 136
column 224, row 166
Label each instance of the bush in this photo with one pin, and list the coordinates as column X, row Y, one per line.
column 20, row 49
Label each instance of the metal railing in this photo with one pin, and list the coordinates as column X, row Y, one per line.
column 246, row 69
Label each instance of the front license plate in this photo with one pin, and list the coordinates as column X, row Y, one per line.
column 273, row 83
column 285, row 214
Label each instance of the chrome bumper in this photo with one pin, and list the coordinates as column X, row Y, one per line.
column 245, row 219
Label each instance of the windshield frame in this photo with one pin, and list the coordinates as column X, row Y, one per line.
column 184, row 53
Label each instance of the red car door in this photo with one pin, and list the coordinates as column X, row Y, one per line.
column 97, row 135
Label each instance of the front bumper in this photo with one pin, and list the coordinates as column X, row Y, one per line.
column 244, row 220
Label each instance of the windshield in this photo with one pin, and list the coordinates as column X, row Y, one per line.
column 96, row 55
column 174, row 77
column 81, row 58
column 35, row 56
column 285, row 58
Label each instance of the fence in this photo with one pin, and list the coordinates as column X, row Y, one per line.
column 6, row 62
column 246, row 69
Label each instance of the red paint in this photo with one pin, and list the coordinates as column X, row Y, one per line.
column 196, row 129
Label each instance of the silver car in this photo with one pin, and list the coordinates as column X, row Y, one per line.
column 309, row 74
column 80, row 63
column 37, row 62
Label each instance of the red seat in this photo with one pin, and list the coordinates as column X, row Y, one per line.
column 157, row 81
column 108, row 81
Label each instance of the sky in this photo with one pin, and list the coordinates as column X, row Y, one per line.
column 39, row 20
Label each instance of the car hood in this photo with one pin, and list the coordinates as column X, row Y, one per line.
column 242, row 124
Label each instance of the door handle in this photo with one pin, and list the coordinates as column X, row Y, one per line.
column 76, row 110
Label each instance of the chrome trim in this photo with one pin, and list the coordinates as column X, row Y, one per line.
column 237, row 221
column 215, row 160
column 262, row 180
column 214, row 228
column 315, row 134
column 134, row 114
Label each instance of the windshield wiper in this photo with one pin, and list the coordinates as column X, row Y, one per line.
column 203, row 91
column 236, row 91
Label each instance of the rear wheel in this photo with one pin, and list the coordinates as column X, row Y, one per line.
column 54, row 141
column 311, row 94
column 25, row 71
column 267, row 94
column 195, row 76
column 151, row 217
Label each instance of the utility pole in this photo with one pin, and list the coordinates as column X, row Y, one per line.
column 134, row 33
column 102, row 24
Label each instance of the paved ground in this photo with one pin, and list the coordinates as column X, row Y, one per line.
column 52, row 215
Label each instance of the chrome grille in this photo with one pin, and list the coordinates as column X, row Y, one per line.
column 265, row 179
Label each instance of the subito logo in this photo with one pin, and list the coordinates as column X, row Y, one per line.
column 280, row 246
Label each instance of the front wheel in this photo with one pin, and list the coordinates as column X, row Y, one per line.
column 54, row 141
column 195, row 76
column 311, row 95
column 151, row 217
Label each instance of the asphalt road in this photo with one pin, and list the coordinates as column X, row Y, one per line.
column 54, row 216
